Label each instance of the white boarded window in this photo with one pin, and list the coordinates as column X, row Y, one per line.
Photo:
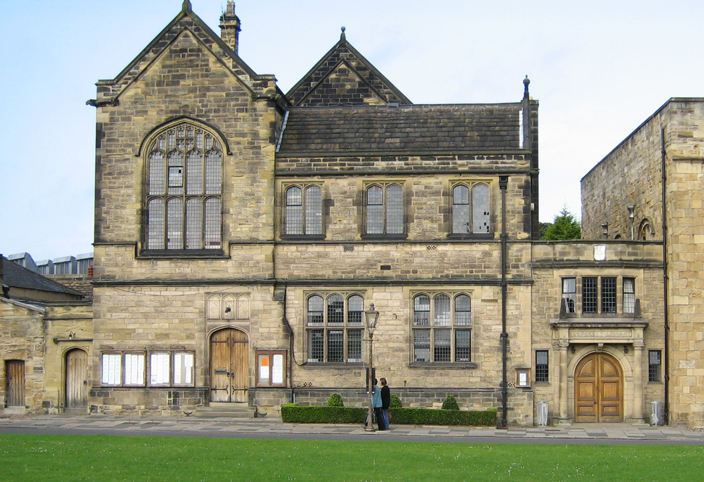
column 111, row 369
column 159, row 368
column 134, row 369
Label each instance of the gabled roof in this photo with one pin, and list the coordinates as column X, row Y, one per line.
column 344, row 77
column 185, row 21
column 411, row 129
column 16, row 276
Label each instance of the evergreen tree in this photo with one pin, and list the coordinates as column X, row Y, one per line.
column 564, row 226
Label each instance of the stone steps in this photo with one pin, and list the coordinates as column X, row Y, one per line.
column 226, row 410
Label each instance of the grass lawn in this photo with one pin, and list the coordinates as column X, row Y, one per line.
column 107, row 458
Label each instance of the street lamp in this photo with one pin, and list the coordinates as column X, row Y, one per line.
column 371, row 316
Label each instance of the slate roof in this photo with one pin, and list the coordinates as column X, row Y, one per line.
column 16, row 276
column 406, row 129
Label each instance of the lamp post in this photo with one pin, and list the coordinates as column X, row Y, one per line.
column 370, row 318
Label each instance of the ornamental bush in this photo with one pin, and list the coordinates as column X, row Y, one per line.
column 450, row 403
column 335, row 400
column 395, row 402
column 295, row 413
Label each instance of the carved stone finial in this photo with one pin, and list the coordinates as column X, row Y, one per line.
column 186, row 7
column 526, row 82
column 342, row 35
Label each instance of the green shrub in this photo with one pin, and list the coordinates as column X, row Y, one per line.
column 295, row 413
column 335, row 400
column 430, row 416
column 395, row 402
column 450, row 403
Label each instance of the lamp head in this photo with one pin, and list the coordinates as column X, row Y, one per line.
column 371, row 316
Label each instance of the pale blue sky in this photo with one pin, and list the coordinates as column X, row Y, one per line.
column 598, row 68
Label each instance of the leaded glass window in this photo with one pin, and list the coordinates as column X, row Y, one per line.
column 335, row 328
column 184, row 190
column 471, row 211
column 449, row 338
column 384, row 209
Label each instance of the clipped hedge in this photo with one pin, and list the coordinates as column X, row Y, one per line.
column 431, row 416
column 295, row 413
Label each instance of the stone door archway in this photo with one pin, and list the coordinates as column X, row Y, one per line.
column 598, row 384
column 229, row 366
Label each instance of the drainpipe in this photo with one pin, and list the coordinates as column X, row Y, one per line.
column 666, row 279
column 503, row 423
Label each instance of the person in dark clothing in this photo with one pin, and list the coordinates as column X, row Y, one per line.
column 385, row 403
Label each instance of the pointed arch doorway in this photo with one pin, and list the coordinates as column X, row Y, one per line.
column 229, row 366
column 598, row 389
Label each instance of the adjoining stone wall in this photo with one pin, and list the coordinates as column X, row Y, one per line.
column 147, row 401
column 22, row 338
column 67, row 327
column 629, row 176
column 685, row 248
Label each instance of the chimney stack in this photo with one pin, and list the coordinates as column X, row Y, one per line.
column 230, row 26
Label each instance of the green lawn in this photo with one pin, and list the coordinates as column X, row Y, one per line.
column 107, row 458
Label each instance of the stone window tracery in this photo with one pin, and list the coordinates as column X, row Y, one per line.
column 184, row 189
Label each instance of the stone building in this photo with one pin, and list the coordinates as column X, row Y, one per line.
column 45, row 339
column 242, row 232
column 650, row 188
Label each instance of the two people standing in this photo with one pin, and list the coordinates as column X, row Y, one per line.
column 381, row 400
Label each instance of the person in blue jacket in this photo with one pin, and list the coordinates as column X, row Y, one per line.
column 377, row 404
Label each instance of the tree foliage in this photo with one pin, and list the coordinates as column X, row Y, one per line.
column 564, row 226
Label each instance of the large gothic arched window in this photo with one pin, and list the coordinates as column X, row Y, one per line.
column 184, row 190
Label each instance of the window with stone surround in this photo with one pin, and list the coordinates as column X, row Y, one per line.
column 471, row 210
column 160, row 368
column 599, row 295
column 442, row 328
column 542, row 371
column 334, row 327
column 183, row 189
column 384, row 210
column 303, row 215
column 654, row 365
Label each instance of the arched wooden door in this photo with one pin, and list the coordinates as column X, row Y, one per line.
column 76, row 379
column 229, row 366
column 598, row 389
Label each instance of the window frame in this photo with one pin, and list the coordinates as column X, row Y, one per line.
column 269, row 380
column 386, row 208
column 319, row 321
column 306, row 227
column 183, row 212
column 472, row 217
column 542, row 370
column 434, row 328
column 655, row 369
column 603, row 295
column 146, row 371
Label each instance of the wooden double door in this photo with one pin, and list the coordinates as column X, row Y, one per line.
column 598, row 389
column 229, row 366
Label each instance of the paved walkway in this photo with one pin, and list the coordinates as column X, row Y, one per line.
column 274, row 428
